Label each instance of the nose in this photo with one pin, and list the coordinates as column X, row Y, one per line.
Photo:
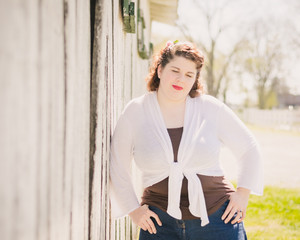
column 180, row 77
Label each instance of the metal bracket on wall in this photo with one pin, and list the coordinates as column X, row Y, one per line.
column 128, row 16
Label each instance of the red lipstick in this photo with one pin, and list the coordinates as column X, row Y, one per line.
column 177, row 87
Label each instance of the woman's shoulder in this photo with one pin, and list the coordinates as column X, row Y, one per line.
column 135, row 104
column 209, row 100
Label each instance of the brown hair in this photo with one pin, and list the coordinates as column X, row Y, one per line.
column 184, row 49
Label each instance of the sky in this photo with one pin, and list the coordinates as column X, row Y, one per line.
column 276, row 12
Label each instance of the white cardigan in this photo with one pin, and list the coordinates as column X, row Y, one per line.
column 141, row 134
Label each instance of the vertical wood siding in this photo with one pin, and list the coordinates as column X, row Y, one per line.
column 117, row 76
column 45, row 85
column 60, row 98
column 44, row 99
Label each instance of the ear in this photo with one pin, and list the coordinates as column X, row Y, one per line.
column 159, row 71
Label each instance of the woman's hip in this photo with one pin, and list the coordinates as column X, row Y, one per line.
column 174, row 229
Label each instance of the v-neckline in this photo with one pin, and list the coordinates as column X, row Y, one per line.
column 164, row 126
column 160, row 112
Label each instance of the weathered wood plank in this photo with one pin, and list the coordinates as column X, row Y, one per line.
column 45, row 119
column 77, row 54
column 57, row 117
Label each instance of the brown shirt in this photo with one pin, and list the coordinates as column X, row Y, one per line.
column 216, row 189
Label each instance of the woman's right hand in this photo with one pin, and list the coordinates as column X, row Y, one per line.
column 141, row 217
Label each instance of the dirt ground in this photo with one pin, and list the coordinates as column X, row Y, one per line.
column 281, row 156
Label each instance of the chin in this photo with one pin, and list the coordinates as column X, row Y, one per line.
column 178, row 96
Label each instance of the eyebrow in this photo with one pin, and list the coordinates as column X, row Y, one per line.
column 179, row 69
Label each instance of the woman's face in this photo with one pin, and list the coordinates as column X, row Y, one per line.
column 176, row 78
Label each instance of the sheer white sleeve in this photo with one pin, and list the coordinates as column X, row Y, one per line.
column 237, row 137
column 122, row 195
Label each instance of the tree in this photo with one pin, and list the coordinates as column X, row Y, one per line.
column 217, row 62
column 264, row 62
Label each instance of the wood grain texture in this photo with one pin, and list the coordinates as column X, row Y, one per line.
column 60, row 98
column 45, row 98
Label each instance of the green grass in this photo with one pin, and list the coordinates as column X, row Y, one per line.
column 275, row 215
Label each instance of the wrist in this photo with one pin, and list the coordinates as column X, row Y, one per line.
column 244, row 191
column 133, row 211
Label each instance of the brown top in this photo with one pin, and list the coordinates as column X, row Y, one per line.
column 216, row 189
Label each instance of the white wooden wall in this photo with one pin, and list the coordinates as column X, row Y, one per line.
column 57, row 115
column 119, row 74
column 45, row 84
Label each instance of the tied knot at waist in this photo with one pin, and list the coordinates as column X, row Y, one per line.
column 195, row 193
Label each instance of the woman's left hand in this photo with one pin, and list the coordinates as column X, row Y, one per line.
column 237, row 204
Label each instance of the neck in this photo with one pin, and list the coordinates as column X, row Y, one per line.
column 169, row 103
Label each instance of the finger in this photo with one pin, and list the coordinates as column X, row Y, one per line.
column 243, row 217
column 148, row 227
column 230, row 215
column 227, row 211
column 151, row 224
column 153, row 214
column 237, row 218
column 143, row 227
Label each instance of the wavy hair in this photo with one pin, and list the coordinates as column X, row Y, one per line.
column 166, row 54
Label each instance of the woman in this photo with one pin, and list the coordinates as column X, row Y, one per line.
column 174, row 133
